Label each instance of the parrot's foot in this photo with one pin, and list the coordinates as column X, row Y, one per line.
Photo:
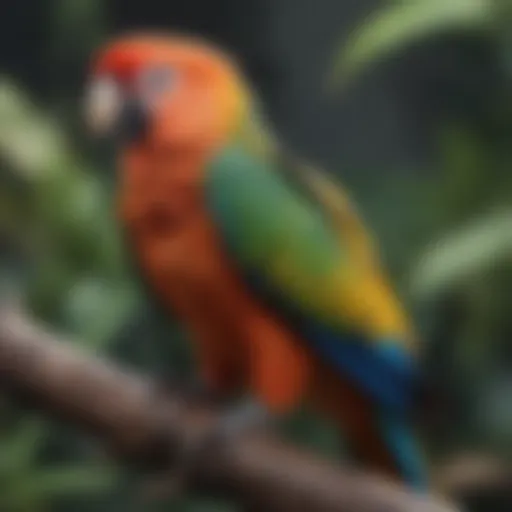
column 190, row 391
column 239, row 420
column 247, row 416
column 233, row 423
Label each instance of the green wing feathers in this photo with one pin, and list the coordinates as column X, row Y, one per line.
column 274, row 230
column 305, row 238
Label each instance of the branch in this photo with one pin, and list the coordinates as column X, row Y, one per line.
column 476, row 474
column 123, row 410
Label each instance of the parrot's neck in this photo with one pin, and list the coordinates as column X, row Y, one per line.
column 254, row 133
column 158, row 185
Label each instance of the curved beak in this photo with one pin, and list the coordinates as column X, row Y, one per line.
column 132, row 121
column 110, row 114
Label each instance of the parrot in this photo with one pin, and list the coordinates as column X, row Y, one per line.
column 262, row 257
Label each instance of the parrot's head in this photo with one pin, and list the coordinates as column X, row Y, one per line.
column 170, row 90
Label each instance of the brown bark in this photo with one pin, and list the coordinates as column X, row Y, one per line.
column 476, row 474
column 123, row 410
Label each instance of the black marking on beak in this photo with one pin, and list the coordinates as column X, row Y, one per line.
column 132, row 123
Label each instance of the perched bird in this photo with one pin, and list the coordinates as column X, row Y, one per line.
column 262, row 258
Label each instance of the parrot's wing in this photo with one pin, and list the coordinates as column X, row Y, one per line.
column 330, row 197
column 294, row 255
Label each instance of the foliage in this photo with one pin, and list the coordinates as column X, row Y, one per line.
column 404, row 22
column 27, row 485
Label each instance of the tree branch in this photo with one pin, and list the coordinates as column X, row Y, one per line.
column 476, row 474
column 124, row 411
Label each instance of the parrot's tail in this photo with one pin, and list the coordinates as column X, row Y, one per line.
column 381, row 441
column 401, row 441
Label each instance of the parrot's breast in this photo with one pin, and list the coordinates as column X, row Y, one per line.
column 161, row 208
column 178, row 256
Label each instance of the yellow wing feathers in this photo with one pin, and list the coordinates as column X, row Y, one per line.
column 366, row 295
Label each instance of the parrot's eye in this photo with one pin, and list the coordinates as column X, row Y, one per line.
column 155, row 81
column 103, row 103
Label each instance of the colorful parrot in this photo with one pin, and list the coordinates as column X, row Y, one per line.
column 262, row 258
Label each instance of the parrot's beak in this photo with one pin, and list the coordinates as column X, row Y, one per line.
column 102, row 106
column 132, row 123
column 110, row 115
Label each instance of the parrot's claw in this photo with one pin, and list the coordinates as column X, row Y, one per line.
column 190, row 391
column 237, row 421
column 233, row 423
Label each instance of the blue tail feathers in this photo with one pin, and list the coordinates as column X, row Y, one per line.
column 402, row 443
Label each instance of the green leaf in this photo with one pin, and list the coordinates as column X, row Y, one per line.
column 400, row 24
column 96, row 309
column 464, row 254
column 20, row 448
column 29, row 141
column 37, row 488
column 70, row 481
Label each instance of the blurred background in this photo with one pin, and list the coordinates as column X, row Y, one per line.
column 408, row 102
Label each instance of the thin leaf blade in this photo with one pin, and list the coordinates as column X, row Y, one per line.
column 400, row 24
